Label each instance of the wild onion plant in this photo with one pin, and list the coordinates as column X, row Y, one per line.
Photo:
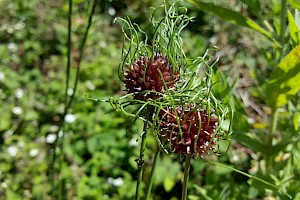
column 169, row 92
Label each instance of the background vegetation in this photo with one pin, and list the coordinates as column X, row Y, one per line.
column 101, row 145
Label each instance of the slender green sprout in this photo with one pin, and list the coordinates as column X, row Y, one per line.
column 149, row 186
column 140, row 161
column 186, row 176
column 69, row 47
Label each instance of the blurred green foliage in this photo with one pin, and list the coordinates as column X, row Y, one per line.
column 101, row 145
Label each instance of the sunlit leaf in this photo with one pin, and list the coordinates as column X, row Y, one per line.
column 169, row 184
column 231, row 16
column 295, row 4
column 294, row 29
column 284, row 81
column 203, row 193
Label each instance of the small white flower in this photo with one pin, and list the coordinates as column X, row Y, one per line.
column 20, row 25
column 4, row 185
column 111, row 11
column 90, row 85
column 251, row 120
column 12, row 46
column 70, row 91
column 235, row 158
column 2, row 76
column 33, row 152
column 19, row 93
column 103, row 44
column 17, row 110
column 12, row 151
column 70, row 118
column 133, row 142
column 50, row 138
column 118, row 182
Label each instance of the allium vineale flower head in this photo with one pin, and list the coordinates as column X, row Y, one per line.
column 147, row 77
column 188, row 130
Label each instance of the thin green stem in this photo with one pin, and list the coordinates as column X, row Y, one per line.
column 69, row 46
column 67, row 102
column 186, row 176
column 81, row 50
column 149, row 187
column 273, row 124
column 283, row 16
column 283, row 12
column 252, row 177
column 140, row 160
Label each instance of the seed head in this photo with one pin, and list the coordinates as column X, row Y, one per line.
column 188, row 130
column 150, row 74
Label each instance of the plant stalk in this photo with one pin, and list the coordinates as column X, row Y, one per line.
column 186, row 176
column 149, row 187
column 283, row 12
column 273, row 125
column 140, row 161
column 69, row 47
column 67, row 102
column 81, row 50
column 283, row 16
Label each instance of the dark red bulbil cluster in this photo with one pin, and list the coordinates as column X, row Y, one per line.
column 197, row 135
column 143, row 76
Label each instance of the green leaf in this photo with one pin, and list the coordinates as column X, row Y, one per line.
column 294, row 29
column 169, row 184
column 12, row 195
column 280, row 146
column 253, row 5
column 284, row 81
column 232, row 16
column 295, row 4
column 170, row 171
column 92, row 144
column 203, row 192
column 251, row 142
